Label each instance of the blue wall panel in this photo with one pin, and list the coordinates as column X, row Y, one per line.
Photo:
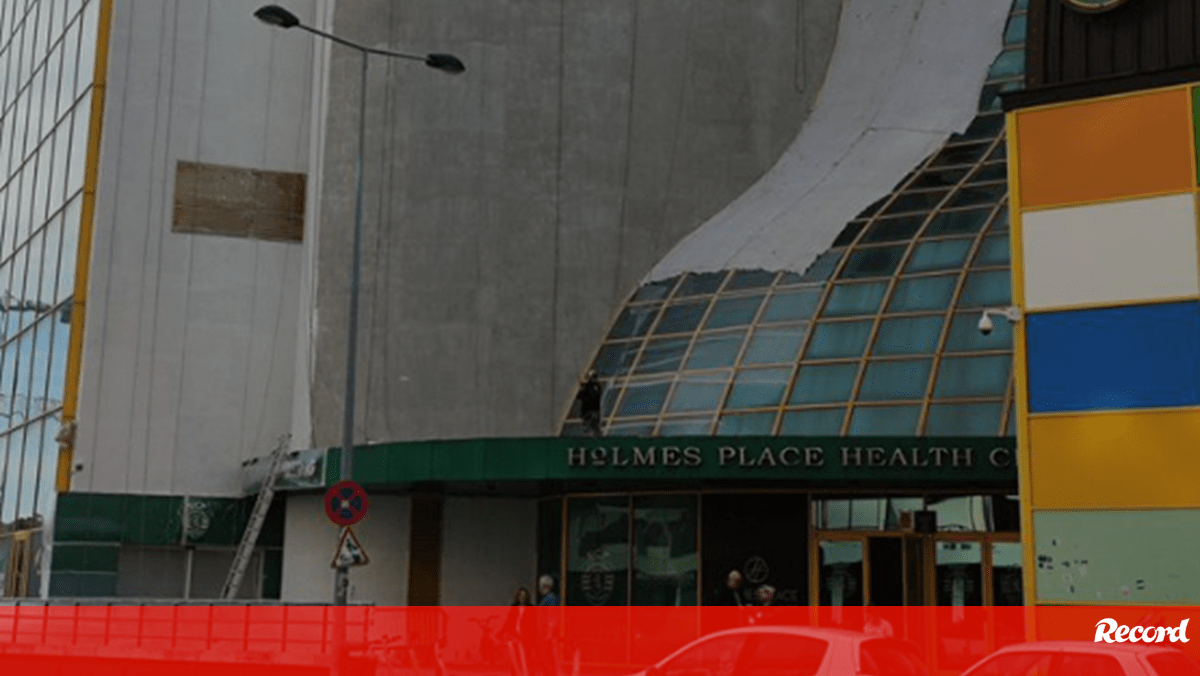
column 1143, row 356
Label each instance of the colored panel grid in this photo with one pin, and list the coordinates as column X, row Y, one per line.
column 1111, row 253
column 1116, row 460
column 1145, row 356
column 1125, row 557
column 1131, row 146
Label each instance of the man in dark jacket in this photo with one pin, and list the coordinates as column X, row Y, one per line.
column 590, row 393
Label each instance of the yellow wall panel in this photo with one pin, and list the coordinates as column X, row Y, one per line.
column 1099, row 150
column 1116, row 460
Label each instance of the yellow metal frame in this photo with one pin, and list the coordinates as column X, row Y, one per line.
column 66, row 452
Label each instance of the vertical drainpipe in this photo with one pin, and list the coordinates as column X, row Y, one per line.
column 66, row 451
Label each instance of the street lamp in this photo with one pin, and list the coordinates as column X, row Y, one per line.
column 274, row 15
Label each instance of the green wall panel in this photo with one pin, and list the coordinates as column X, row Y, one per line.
column 90, row 558
column 1122, row 556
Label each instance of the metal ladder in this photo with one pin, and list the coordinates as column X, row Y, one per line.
column 266, row 493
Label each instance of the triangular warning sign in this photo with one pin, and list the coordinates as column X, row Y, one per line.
column 350, row 551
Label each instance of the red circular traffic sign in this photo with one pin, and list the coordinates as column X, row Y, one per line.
column 346, row 503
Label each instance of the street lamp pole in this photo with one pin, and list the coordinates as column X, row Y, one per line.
column 275, row 15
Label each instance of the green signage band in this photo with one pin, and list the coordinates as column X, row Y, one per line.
column 895, row 461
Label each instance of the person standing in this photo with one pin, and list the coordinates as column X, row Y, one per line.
column 546, row 589
column 589, row 396
column 731, row 593
column 544, row 655
column 520, row 632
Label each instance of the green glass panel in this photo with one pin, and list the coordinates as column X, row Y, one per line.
column 1010, row 63
column 656, row 290
column 685, row 428
column 939, row 255
column 824, row 383
column 699, row 392
column 968, row 420
column 747, row 424
column 973, row 376
column 966, row 222
column 643, row 398
column 1015, row 33
column 964, row 335
column 873, row 262
column 986, row 289
column 993, row 251
column 890, row 380
column 758, row 388
column 774, row 345
column 634, row 321
column 616, row 359
column 792, row 305
column 666, row 561
column 814, row 422
column 855, row 299
column 700, row 284
column 597, row 551
column 631, row 429
column 923, row 293
column 833, row 340
column 663, row 355
column 682, row 317
column 908, row 335
column 893, row 229
column 716, row 350
column 729, row 312
column 750, row 279
column 822, row 268
column 884, row 420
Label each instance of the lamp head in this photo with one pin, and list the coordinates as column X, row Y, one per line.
column 274, row 15
column 445, row 62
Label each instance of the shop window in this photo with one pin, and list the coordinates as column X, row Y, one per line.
column 923, row 293
column 880, row 261
column 750, row 279
column 550, row 517
column 749, row 424
column 960, row 513
column 891, row 380
column 973, row 376
column 598, row 551
column 616, row 359
column 824, row 383
column 699, row 392
column 702, row 284
column 662, row 355
column 939, row 255
column 814, row 422
column 964, row 335
column 792, row 305
column 716, row 350
column 1007, row 583
column 763, row 537
column 969, row 420
column 908, row 335
column 841, row 573
column 666, row 561
column 984, row 289
column 885, row 420
column 774, row 345
column 634, row 321
column 758, row 388
column 729, row 312
column 644, row 398
column 682, row 318
column 833, row 340
column 895, row 229
column 855, row 299
column 993, row 251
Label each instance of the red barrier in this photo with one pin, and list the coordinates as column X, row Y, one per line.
column 573, row 641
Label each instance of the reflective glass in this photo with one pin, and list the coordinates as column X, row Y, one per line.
column 729, row 312
column 993, row 251
column 916, row 201
column 840, row 573
column 662, row 355
column 814, row 422
column 774, row 346
column 644, row 397
column 991, row 172
column 631, row 429
column 682, row 317
column 847, row 300
column 873, row 262
column 758, row 388
column 701, row 284
column 1007, row 584
column 634, row 321
column 969, row 196
column 685, row 427
column 923, row 293
column 31, row 468
column 893, row 229
column 750, row 279
column 666, row 558
column 908, row 335
column 885, row 420
column 955, row 155
column 938, row 178
column 597, row 551
column 1010, row 63
column 944, row 254
column 699, row 391
column 616, row 358
column 746, row 424
column 891, row 380
column 834, row 340
column 792, row 305
column 716, row 350
column 849, row 233
column 1000, row 223
column 986, row 289
column 824, row 383
column 655, row 290
column 973, row 376
column 969, row 420
column 823, row 267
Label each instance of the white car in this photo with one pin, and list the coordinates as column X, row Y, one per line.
column 1081, row 658
column 791, row 651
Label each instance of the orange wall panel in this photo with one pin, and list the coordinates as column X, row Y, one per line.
column 1108, row 149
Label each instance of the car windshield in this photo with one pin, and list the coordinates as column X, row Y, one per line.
column 1173, row 664
column 884, row 657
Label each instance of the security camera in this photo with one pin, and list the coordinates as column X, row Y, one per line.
column 78, row 467
column 985, row 324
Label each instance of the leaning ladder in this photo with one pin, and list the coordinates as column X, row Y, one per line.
column 241, row 560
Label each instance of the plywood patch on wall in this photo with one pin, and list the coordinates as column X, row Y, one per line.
column 238, row 202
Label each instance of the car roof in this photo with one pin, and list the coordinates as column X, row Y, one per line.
column 1087, row 647
column 813, row 632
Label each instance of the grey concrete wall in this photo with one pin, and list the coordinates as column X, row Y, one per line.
column 510, row 210
column 309, row 541
column 189, row 346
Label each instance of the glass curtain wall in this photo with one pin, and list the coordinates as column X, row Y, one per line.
column 47, row 56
